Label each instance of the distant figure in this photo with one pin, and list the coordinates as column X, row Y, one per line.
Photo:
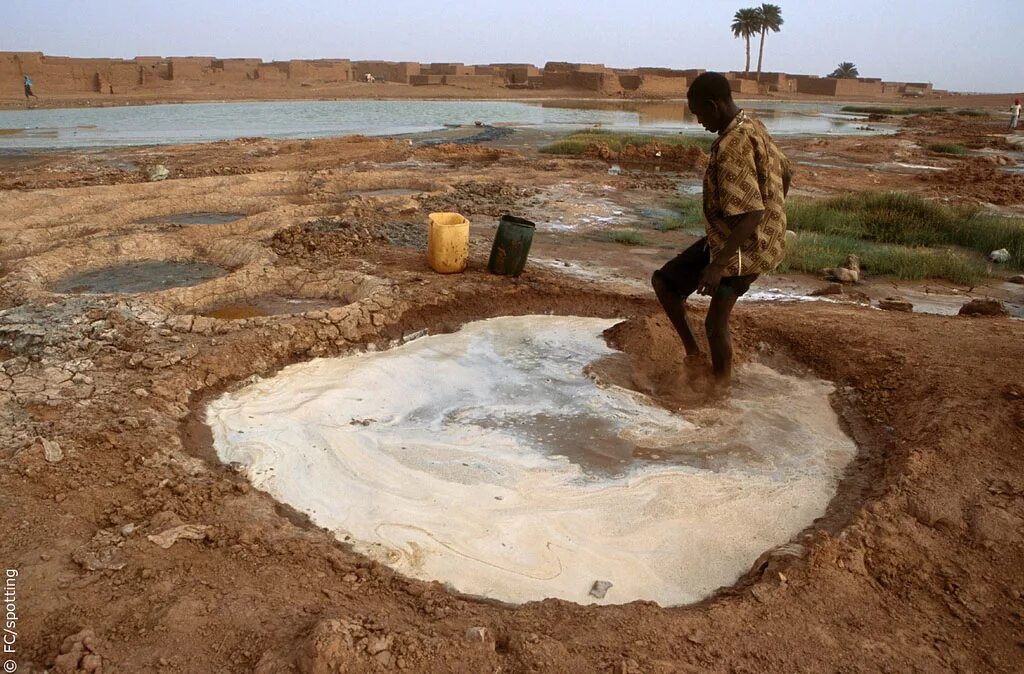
column 745, row 187
column 28, row 88
column 1015, row 113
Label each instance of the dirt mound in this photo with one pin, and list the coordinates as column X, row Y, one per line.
column 652, row 362
column 460, row 153
column 493, row 198
column 980, row 180
column 679, row 157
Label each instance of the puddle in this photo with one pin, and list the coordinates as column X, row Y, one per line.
column 193, row 219
column 271, row 306
column 487, row 460
column 139, row 277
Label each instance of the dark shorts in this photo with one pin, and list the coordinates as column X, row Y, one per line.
column 683, row 271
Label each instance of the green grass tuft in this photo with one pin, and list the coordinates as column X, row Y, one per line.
column 628, row 237
column 908, row 220
column 812, row 252
column 947, row 148
column 566, row 146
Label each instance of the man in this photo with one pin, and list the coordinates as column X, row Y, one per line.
column 745, row 186
column 28, row 88
column 1014, row 113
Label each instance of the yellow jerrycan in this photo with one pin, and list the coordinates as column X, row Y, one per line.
column 447, row 242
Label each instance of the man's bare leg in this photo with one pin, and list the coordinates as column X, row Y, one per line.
column 674, row 305
column 719, row 339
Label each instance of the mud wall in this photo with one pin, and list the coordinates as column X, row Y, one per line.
column 742, row 86
column 389, row 71
column 655, row 85
column 447, row 69
column 830, row 86
column 474, row 81
column 323, row 71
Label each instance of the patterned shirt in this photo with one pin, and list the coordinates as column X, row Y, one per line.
column 745, row 174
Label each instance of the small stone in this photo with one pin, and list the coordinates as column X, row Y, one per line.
column 895, row 303
column 600, row 588
column 169, row 537
column 141, row 392
column 127, row 529
column 384, row 658
column 479, row 634
column 158, row 172
column 350, row 578
column 1016, row 278
column 52, row 451
column 379, row 644
column 92, row 663
column 1001, row 256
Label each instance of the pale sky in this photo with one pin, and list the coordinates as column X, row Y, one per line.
column 965, row 46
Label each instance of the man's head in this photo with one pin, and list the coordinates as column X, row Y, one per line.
column 710, row 98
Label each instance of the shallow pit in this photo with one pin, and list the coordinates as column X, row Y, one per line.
column 271, row 306
column 199, row 218
column 487, row 460
column 139, row 277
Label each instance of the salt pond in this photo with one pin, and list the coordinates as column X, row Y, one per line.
column 68, row 128
column 486, row 459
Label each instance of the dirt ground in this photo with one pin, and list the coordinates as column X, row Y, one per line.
column 136, row 551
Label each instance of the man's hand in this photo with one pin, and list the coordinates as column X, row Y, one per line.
column 710, row 278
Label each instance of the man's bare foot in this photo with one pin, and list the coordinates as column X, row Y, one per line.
column 719, row 388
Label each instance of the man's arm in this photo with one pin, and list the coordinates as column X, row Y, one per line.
column 743, row 227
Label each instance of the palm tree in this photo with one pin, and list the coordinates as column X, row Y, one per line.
column 746, row 23
column 846, row 71
column 771, row 20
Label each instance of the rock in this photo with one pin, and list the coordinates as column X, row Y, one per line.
column 480, row 635
column 103, row 552
column 895, row 303
column 935, row 511
column 78, row 652
column 1001, row 256
column 990, row 526
column 600, row 588
column 1017, row 278
column 848, row 272
column 330, row 647
column 378, row 644
column 790, row 237
column 166, row 539
column 984, row 307
column 158, row 172
column 52, row 451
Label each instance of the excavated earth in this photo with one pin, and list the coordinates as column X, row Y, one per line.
column 137, row 551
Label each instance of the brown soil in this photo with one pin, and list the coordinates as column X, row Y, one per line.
column 916, row 566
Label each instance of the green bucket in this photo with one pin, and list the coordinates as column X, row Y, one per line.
column 511, row 246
